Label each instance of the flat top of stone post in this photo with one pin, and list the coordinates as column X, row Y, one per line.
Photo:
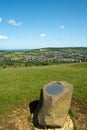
column 54, row 88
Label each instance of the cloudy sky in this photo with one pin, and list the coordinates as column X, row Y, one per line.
column 28, row 24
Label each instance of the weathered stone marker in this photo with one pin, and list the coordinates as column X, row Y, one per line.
column 54, row 104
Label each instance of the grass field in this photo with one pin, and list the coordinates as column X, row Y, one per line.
column 18, row 85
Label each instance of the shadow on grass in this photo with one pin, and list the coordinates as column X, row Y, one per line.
column 33, row 106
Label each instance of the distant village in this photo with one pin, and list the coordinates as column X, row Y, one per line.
column 57, row 56
column 42, row 57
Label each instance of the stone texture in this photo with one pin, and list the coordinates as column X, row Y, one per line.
column 54, row 106
column 67, row 126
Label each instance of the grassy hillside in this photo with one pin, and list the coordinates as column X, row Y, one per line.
column 37, row 52
column 79, row 50
column 18, row 85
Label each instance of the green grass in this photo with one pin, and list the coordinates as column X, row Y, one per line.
column 72, row 116
column 18, row 85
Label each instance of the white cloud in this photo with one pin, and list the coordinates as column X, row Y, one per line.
column 0, row 19
column 62, row 27
column 3, row 37
column 42, row 35
column 13, row 22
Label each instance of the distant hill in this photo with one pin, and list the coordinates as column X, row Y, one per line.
column 43, row 56
column 79, row 50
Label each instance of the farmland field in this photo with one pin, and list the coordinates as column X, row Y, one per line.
column 20, row 85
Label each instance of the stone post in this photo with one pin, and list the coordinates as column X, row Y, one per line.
column 54, row 104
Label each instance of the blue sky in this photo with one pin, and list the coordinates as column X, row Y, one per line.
column 29, row 24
